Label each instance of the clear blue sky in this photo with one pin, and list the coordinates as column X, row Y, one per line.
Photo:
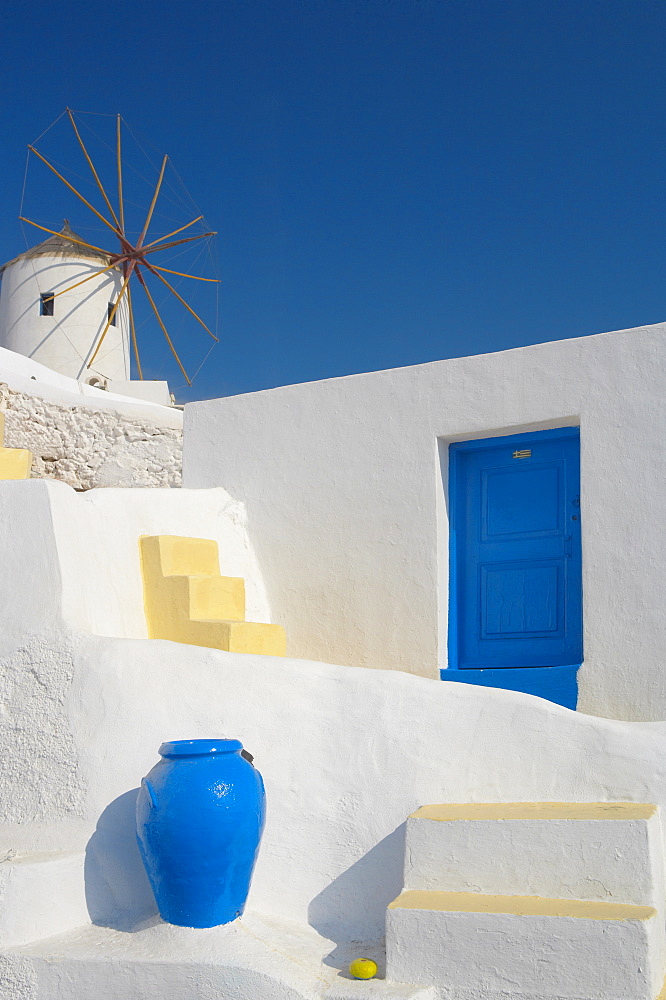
column 393, row 181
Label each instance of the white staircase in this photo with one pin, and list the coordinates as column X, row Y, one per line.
column 534, row 900
column 40, row 895
column 525, row 901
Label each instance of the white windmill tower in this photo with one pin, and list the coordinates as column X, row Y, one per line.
column 68, row 304
column 54, row 307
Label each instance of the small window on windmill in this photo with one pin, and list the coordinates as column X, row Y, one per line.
column 111, row 315
column 46, row 303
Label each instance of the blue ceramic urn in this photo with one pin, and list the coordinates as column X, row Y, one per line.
column 199, row 819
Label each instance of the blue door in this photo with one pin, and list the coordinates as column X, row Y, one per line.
column 516, row 590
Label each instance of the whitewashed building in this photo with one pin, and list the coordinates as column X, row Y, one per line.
column 475, row 840
column 537, row 566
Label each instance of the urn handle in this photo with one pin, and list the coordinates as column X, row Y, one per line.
column 152, row 794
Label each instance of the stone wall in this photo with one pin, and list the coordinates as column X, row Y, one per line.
column 88, row 448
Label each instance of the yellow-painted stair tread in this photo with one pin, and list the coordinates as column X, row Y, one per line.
column 243, row 637
column 15, row 463
column 528, row 906
column 208, row 594
column 182, row 556
column 187, row 600
column 536, row 810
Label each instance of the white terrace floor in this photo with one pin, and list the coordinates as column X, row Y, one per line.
column 256, row 958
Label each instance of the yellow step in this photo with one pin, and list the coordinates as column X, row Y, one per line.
column 205, row 597
column 240, row 637
column 526, row 906
column 175, row 555
column 15, row 463
column 452, row 811
column 187, row 600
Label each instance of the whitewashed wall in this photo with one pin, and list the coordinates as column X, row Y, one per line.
column 72, row 559
column 25, row 375
column 97, row 540
column 346, row 500
column 83, row 715
column 346, row 755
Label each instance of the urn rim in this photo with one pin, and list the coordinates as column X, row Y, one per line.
column 199, row 748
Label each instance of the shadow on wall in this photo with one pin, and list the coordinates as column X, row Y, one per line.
column 118, row 893
column 353, row 906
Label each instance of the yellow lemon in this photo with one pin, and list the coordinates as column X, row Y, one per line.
column 363, row 968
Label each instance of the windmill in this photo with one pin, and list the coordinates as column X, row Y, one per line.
column 133, row 256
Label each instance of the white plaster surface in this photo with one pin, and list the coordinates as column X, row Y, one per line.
column 73, row 558
column 253, row 959
column 28, row 376
column 346, row 754
column 87, row 448
column 257, row 958
column 66, row 341
column 552, row 956
column 613, row 860
column 82, row 716
column 97, row 537
column 345, row 492
column 30, row 579
column 349, row 989
column 334, row 842
column 40, row 895
column 153, row 391
column 333, row 849
column 40, row 774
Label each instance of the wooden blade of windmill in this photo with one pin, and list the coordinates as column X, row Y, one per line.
column 95, row 274
column 155, row 242
column 135, row 343
column 72, row 239
column 181, row 299
column 152, row 204
column 112, row 312
column 92, row 168
column 176, row 243
column 119, row 168
column 181, row 274
column 164, row 329
column 77, row 193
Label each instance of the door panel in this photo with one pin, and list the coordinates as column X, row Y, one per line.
column 521, row 501
column 516, row 551
column 521, row 599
